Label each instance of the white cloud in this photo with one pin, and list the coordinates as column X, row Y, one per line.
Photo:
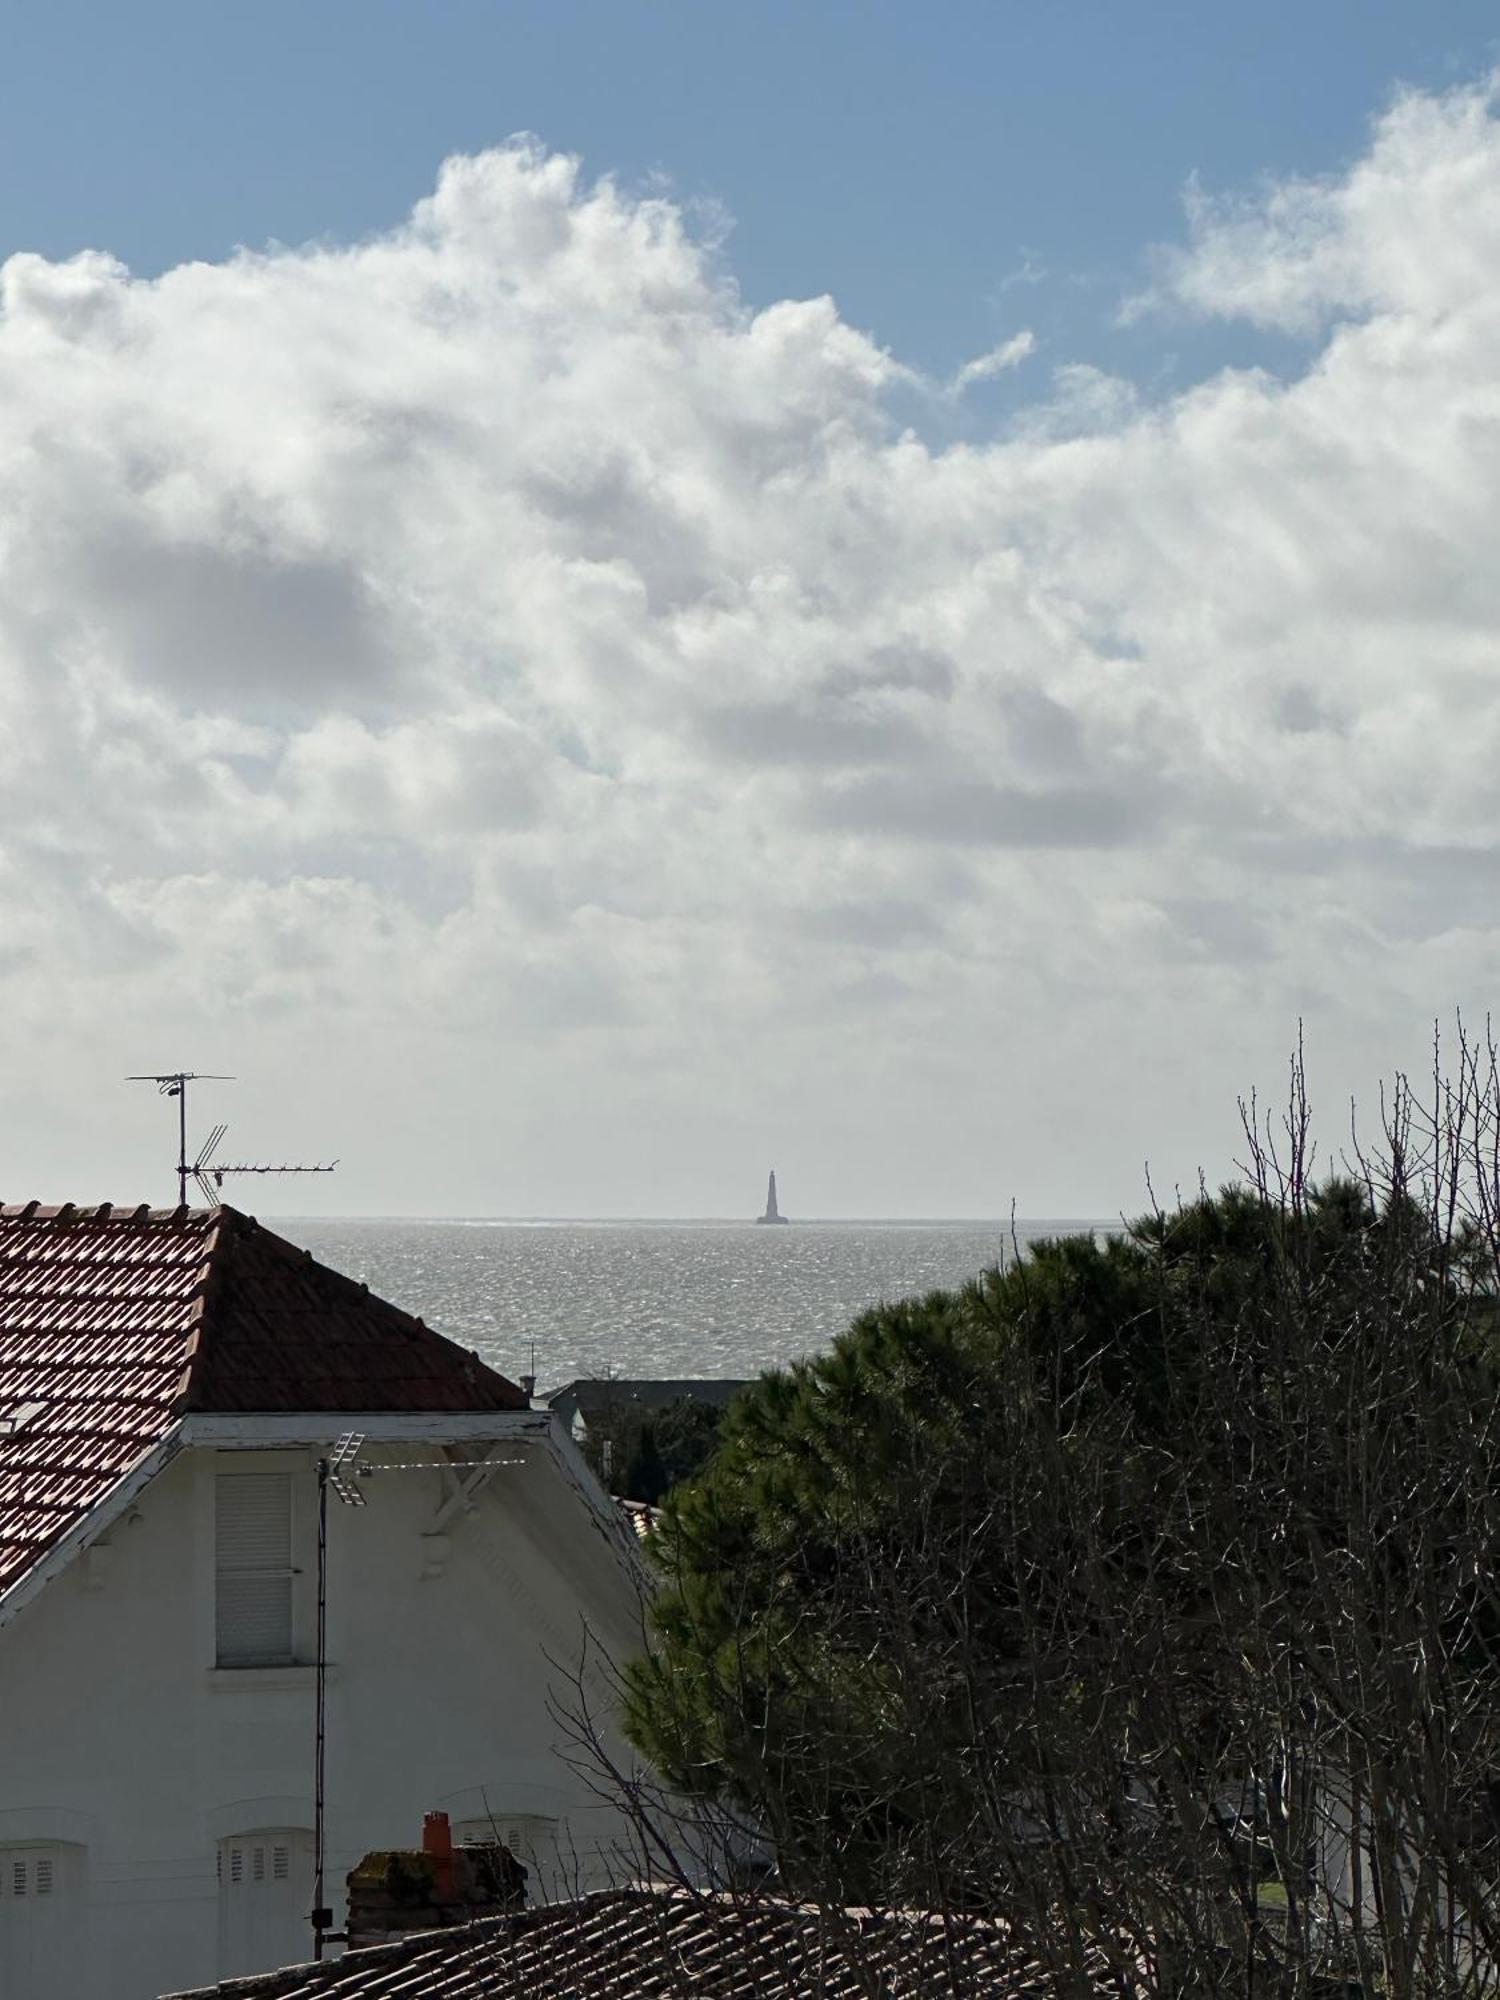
column 999, row 361
column 552, row 717
column 1411, row 231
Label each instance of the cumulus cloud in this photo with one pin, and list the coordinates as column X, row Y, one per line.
column 557, row 719
column 1409, row 230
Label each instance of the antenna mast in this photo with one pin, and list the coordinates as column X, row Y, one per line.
column 174, row 1083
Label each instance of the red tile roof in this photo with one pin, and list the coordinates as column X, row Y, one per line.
column 114, row 1322
column 648, row 1944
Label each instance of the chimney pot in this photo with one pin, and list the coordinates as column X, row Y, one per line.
column 437, row 1841
column 393, row 1893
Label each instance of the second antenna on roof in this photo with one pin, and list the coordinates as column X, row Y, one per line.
column 207, row 1172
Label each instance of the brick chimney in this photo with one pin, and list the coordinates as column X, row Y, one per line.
column 395, row 1891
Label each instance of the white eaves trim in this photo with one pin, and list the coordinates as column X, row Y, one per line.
column 100, row 1517
column 575, row 1469
column 253, row 1430
column 250, row 1431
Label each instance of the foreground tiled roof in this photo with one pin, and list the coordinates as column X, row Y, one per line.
column 670, row 1945
column 114, row 1322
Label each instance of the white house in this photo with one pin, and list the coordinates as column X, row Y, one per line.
column 170, row 1381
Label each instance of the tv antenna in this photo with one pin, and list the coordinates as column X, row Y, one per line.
column 204, row 1170
column 209, row 1173
column 339, row 1469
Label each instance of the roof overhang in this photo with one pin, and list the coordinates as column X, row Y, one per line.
column 545, row 1429
column 98, row 1520
column 269, row 1431
column 253, row 1430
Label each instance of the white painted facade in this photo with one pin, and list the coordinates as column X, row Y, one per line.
column 156, row 1805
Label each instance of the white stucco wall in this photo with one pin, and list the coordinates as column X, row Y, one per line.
column 120, row 1738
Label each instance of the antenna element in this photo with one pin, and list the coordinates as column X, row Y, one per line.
column 207, row 1173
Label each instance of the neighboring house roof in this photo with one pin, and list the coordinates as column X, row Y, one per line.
column 668, row 1944
column 605, row 1395
column 115, row 1322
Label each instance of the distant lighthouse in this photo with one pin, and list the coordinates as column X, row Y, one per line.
column 773, row 1213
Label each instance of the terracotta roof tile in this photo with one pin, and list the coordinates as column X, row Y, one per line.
column 636, row 1944
column 114, row 1322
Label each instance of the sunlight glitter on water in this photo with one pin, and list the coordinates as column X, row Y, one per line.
column 652, row 1298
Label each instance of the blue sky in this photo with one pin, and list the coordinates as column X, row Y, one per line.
column 948, row 171
column 557, row 734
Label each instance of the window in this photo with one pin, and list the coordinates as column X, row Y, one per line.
column 253, row 1569
column 41, row 1918
column 265, row 1897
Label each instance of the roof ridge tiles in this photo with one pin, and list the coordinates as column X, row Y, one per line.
column 103, row 1211
column 298, row 1254
column 301, row 1328
column 206, row 1282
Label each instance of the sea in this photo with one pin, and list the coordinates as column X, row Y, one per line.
column 560, row 1300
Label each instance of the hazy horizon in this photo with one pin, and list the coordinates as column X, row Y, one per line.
column 480, row 1221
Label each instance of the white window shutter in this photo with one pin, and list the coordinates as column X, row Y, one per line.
column 265, row 1892
column 537, row 1842
column 253, row 1568
column 527, row 1835
column 43, row 1924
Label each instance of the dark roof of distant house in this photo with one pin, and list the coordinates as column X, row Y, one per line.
column 601, row 1396
column 115, row 1322
column 668, row 1944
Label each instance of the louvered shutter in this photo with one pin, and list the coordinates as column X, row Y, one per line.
column 42, row 1926
column 253, row 1568
column 527, row 1835
column 28, row 1871
column 265, row 1892
column 536, row 1843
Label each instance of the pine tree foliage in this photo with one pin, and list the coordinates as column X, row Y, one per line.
column 1143, row 1591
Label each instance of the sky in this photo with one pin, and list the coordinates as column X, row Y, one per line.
column 597, row 598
